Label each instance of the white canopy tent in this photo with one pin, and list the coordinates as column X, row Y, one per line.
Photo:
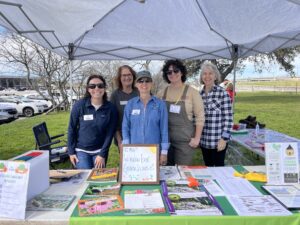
column 155, row 29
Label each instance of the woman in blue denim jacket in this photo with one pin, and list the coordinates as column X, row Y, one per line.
column 145, row 118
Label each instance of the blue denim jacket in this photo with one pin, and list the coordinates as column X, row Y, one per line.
column 91, row 129
column 146, row 125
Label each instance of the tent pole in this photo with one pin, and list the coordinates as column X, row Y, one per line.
column 70, row 64
column 235, row 57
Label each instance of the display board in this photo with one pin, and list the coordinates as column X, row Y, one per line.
column 139, row 164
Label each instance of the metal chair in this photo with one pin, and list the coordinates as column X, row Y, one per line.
column 44, row 141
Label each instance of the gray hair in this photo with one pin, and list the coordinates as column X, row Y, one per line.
column 212, row 67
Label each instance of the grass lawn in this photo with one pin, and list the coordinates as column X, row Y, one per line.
column 279, row 111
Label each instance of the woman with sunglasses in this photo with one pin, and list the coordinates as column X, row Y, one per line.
column 185, row 112
column 124, row 92
column 145, row 118
column 93, row 122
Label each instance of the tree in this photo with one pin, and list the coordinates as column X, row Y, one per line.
column 50, row 68
column 284, row 57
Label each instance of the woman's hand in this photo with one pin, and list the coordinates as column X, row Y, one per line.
column 99, row 162
column 194, row 142
column 221, row 145
column 163, row 160
column 74, row 160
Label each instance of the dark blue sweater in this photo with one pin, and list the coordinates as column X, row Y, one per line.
column 91, row 129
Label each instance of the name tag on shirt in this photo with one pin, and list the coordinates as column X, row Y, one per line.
column 123, row 102
column 135, row 112
column 175, row 108
column 88, row 117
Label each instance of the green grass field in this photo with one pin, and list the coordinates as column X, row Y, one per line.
column 281, row 83
column 279, row 111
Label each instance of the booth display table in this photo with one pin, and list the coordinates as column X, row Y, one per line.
column 70, row 217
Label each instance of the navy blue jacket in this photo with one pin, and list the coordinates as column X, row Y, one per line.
column 91, row 129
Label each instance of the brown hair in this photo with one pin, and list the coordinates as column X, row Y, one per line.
column 118, row 78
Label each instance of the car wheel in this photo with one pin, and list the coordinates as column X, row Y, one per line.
column 28, row 112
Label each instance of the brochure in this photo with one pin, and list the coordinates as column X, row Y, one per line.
column 76, row 179
column 141, row 202
column 94, row 190
column 198, row 172
column 183, row 200
column 47, row 202
column 264, row 205
column 169, row 173
column 103, row 175
column 288, row 195
column 97, row 206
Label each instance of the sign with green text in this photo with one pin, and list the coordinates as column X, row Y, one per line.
column 139, row 164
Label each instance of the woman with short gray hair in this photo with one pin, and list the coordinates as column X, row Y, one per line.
column 218, row 116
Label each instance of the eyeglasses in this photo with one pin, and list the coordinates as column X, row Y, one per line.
column 144, row 81
column 93, row 86
column 126, row 75
column 169, row 72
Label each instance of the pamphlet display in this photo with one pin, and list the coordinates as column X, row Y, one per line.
column 14, row 177
column 282, row 163
column 139, row 164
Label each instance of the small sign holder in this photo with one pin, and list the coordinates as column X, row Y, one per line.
column 139, row 164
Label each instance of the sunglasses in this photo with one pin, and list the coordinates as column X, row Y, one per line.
column 144, row 81
column 169, row 72
column 93, row 86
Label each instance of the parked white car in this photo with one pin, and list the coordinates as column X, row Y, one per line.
column 46, row 104
column 27, row 109
column 36, row 97
column 7, row 113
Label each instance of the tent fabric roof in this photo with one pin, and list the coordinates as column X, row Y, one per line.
column 156, row 29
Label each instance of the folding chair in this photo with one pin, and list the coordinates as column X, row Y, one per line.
column 44, row 142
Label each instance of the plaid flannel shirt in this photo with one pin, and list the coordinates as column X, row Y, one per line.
column 218, row 117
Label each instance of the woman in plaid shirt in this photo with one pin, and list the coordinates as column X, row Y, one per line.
column 218, row 116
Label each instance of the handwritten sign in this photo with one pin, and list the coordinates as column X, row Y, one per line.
column 139, row 164
column 282, row 163
column 14, row 178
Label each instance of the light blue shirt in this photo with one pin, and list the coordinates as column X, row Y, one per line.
column 146, row 125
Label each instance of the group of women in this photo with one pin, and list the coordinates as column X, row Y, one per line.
column 179, row 119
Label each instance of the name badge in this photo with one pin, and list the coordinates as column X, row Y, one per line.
column 123, row 102
column 88, row 117
column 175, row 108
column 135, row 112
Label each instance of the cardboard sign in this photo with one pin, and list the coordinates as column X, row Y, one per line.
column 282, row 163
column 14, row 177
column 139, row 164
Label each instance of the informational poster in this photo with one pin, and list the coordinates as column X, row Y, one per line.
column 14, row 177
column 139, row 164
column 282, row 163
